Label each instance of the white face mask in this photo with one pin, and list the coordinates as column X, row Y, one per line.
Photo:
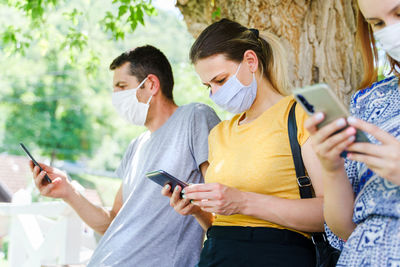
column 389, row 38
column 129, row 107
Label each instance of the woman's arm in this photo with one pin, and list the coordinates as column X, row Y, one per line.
column 338, row 193
column 290, row 213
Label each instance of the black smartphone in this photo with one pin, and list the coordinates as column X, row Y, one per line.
column 46, row 177
column 162, row 178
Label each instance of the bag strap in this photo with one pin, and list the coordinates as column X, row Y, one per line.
column 303, row 181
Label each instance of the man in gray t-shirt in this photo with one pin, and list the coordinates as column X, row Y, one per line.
column 142, row 229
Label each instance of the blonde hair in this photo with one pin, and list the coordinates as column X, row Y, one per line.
column 231, row 39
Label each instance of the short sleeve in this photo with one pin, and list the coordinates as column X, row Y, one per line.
column 121, row 170
column 302, row 133
column 203, row 120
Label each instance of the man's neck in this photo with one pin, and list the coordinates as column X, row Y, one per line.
column 159, row 114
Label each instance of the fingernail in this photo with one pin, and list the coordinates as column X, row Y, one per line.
column 183, row 191
column 167, row 186
column 319, row 116
column 176, row 188
column 351, row 120
column 183, row 196
column 350, row 130
column 351, row 138
column 191, row 201
column 341, row 122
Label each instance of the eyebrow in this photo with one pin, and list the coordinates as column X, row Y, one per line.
column 391, row 11
column 213, row 79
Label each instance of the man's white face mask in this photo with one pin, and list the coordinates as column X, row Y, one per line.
column 128, row 106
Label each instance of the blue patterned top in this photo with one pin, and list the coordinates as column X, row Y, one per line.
column 380, row 105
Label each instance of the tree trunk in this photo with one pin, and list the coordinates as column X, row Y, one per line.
column 319, row 35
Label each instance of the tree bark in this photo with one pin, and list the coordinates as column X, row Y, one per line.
column 319, row 35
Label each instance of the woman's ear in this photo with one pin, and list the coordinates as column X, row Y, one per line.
column 154, row 84
column 251, row 59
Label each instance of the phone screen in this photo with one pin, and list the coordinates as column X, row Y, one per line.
column 46, row 177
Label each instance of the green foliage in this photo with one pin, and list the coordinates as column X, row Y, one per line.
column 121, row 18
column 50, row 113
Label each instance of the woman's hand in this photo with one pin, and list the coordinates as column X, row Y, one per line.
column 216, row 198
column 384, row 158
column 328, row 145
column 181, row 205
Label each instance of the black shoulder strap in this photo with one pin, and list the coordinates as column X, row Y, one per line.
column 303, row 181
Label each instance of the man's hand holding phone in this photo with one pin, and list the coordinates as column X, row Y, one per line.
column 60, row 187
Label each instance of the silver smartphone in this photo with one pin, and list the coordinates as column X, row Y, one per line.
column 320, row 98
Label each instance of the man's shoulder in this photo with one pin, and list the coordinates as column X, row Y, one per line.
column 198, row 108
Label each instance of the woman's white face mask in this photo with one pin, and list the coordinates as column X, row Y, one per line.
column 389, row 38
column 128, row 106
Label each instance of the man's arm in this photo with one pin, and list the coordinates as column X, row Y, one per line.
column 96, row 217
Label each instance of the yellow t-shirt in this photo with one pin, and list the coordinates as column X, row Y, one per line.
column 256, row 157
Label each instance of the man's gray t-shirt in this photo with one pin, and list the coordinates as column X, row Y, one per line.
column 147, row 231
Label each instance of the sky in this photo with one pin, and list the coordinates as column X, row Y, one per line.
column 167, row 5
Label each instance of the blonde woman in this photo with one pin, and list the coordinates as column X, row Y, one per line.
column 251, row 184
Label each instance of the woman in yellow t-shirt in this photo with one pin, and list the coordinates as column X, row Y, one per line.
column 250, row 204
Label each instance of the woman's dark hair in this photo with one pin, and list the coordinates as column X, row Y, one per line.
column 232, row 40
column 145, row 60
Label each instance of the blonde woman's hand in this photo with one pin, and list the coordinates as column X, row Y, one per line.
column 330, row 141
column 180, row 205
column 383, row 158
column 216, row 198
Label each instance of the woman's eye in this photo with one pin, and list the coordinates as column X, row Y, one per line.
column 221, row 81
column 378, row 24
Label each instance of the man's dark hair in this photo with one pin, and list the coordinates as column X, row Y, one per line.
column 145, row 60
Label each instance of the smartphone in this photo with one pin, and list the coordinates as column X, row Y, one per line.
column 46, row 177
column 320, row 98
column 162, row 178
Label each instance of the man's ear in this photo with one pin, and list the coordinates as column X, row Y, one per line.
column 154, row 84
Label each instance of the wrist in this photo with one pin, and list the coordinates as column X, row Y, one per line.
column 71, row 193
column 243, row 207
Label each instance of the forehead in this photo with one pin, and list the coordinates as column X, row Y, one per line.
column 377, row 8
column 210, row 67
column 122, row 74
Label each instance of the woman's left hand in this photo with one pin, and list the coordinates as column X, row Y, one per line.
column 216, row 198
column 384, row 158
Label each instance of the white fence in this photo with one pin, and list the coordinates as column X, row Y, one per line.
column 46, row 233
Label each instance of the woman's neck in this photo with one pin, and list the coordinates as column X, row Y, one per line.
column 267, row 96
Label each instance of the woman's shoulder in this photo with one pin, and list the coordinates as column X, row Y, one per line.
column 384, row 86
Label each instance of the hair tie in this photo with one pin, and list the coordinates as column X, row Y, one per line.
column 255, row 31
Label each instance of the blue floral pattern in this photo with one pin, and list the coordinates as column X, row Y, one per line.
column 376, row 239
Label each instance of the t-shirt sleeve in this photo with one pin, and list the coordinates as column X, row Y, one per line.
column 121, row 170
column 203, row 120
column 302, row 133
